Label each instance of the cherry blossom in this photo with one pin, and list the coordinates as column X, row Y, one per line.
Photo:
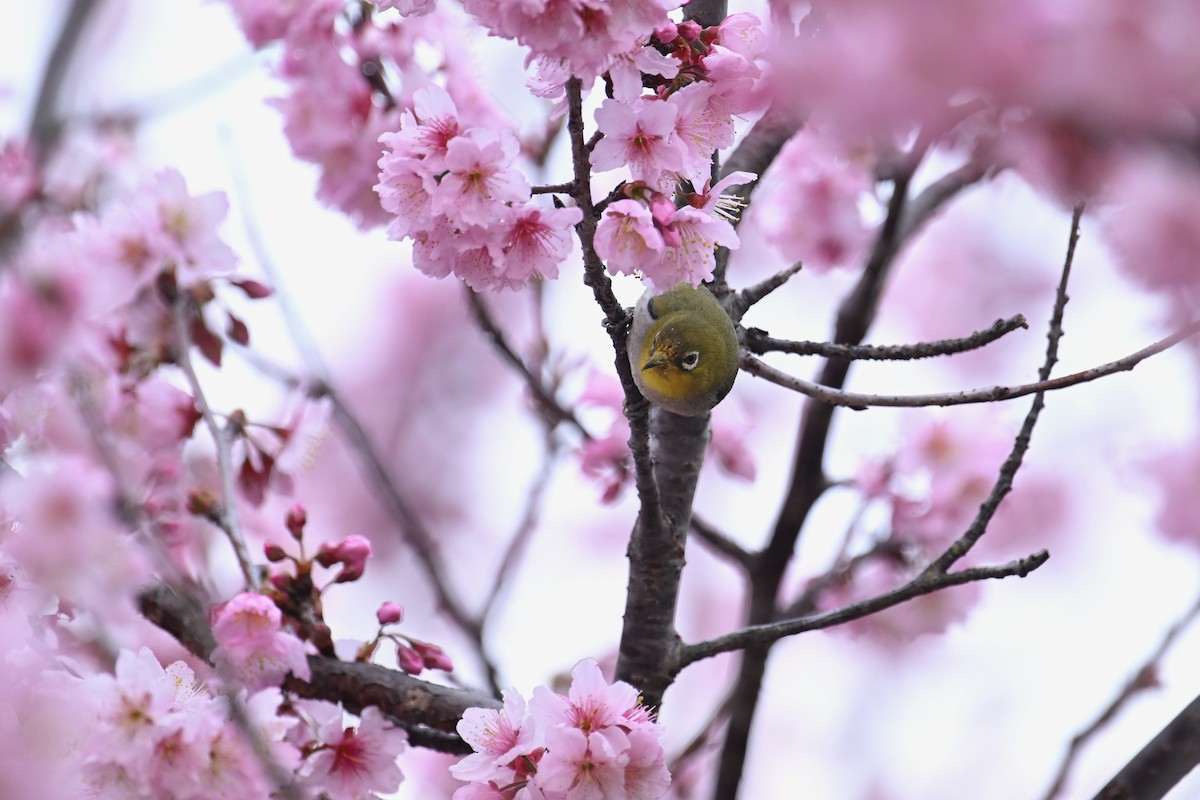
column 642, row 138
column 355, row 762
column 252, row 645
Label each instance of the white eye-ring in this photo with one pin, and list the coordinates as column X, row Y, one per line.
column 690, row 360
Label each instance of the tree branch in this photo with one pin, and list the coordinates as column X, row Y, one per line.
column 758, row 341
column 429, row 712
column 760, row 636
column 45, row 126
column 992, row 394
column 550, row 407
column 1012, row 463
column 1145, row 677
column 721, row 544
column 183, row 310
column 1162, row 763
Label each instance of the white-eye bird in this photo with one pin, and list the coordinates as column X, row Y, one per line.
column 683, row 349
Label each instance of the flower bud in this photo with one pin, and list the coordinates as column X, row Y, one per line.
column 389, row 613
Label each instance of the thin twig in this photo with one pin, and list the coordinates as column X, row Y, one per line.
column 525, row 528
column 758, row 342
column 45, row 125
column 554, row 412
column 183, row 308
column 1012, row 463
column 757, row 636
column 1145, row 677
column 743, row 300
column 416, row 535
column 858, row 400
column 554, row 188
column 720, row 543
column 806, row 485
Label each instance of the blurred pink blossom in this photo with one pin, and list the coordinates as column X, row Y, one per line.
column 252, row 645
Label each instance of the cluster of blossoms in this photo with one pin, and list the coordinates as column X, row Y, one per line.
column 670, row 133
column 159, row 733
column 457, row 193
column 597, row 742
column 454, row 189
column 348, row 77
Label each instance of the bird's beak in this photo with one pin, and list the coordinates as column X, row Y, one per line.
column 655, row 362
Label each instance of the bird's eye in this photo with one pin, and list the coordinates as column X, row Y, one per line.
column 690, row 360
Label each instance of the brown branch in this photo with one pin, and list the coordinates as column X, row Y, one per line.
column 556, row 188
column 992, row 394
column 1162, row 763
column 757, row 341
column 429, row 712
column 552, row 410
column 45, row 125
column 183, row 310
column 759, row 636
column 720, row 543
column 1012, row 463
column 1142, row 679
column 805, row 486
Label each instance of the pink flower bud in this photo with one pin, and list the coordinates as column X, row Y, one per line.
column 408, row 660
column 389, row 613
column 296, row 519
column 274, row 552
column 434, row 656
column 690, row 30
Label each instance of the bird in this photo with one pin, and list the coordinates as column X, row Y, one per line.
column 683, row 349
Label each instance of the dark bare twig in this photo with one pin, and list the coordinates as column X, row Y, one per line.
column 1012, row 463
column 720, row 543
column 525, row 529
column 183, row 308
column 554, row 412
column 761, row 635
column 46, row 124
column 1145, row 677
column 556, row 188
column 757, row 341
column 743, row 300
column 1162, row 763
column 993, row 394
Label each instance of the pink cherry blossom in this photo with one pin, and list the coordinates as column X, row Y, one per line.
column 252, row 645
column 581, row 766
column 627, row 238
column 480, row 179
column 641, row 137
column 352, row 762
column 537, row 241
column 812, row 211
column 498, row 737
column 694, row 259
